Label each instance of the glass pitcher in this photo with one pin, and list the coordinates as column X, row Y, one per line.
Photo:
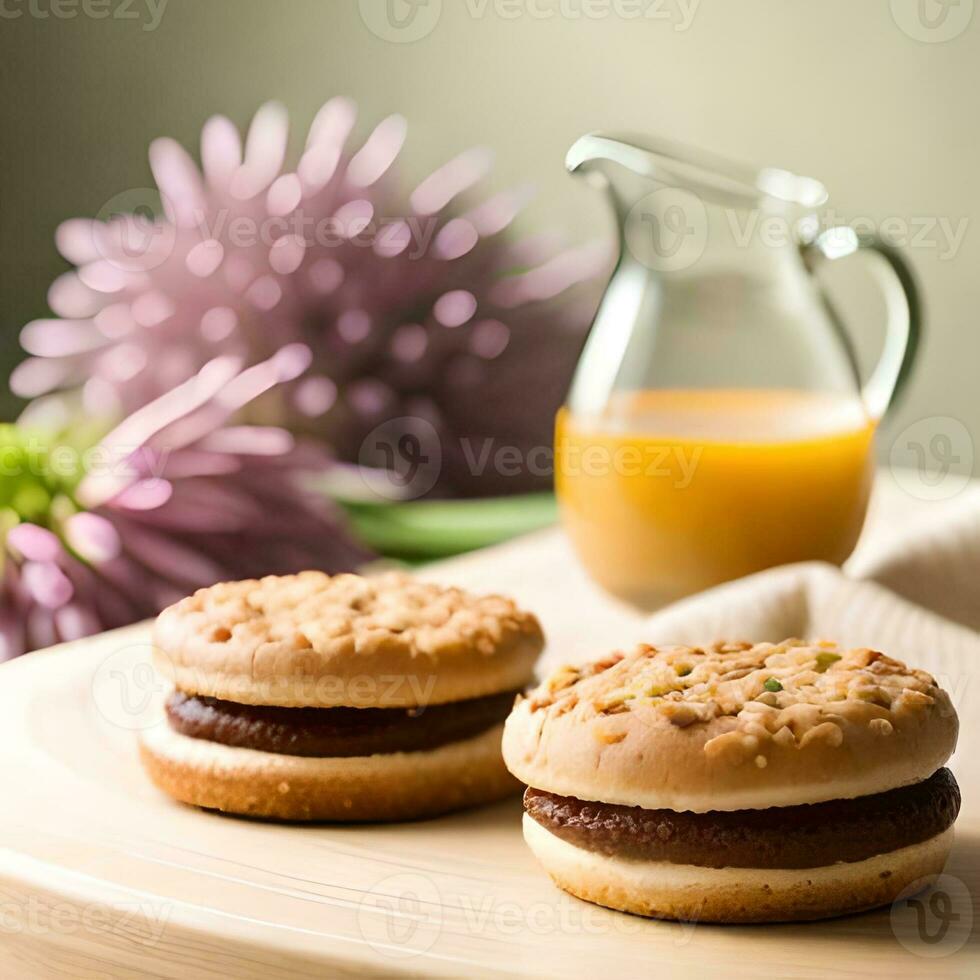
column 716, row 424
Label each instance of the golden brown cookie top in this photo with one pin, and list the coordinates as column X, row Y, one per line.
column 315, row 639
column 732, row 725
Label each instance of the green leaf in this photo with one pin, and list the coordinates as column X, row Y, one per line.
column 427, row 529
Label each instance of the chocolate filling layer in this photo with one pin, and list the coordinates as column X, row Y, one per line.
column 339, row 732
column 808, row 836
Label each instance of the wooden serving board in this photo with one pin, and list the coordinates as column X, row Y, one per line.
column 102, row 876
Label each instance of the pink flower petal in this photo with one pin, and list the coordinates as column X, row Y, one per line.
column 451, row 179
column 218, row 323
column 284, row 195
column 136, row 243
column 122, row 363
column 317, row 166
column 552, row 277
column 47, row 584
column 249, row 440
column 239, row 273
column 69, row 297
column 11, row 635
column 221, row 150
column 265, row 150
column 75, row 621
column 92, row 537
column 182, row 464
column 37, row 376
column 286, row 254
column 75, row 240
column 393, row 238
column 285, row 365
column 100, row 398
column 204, row 258
column 315, row 396
column 264, row 293
column 291, row 361
column 144, row 495
column 409, row 342
column 59, row 338
column 454, row 308
column 35, row 543
column 497, row 212
column 143, row 424
column 378, row 153
column 354, row 326
column 353, row 217
column 455, row 239
column 115, row 321
column 152, row 308
column 41, row 630
column 326, row 275
column 489, row 339
column 333, row 122
column 178, row 180
column 104, row 277
column 369, row 397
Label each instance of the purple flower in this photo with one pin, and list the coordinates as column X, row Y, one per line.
column 176, row 497
column 413, row 305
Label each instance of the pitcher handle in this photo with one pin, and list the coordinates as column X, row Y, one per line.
column 903, row 305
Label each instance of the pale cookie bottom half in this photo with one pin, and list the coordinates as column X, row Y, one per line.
column 691, row 893
column 390, row 786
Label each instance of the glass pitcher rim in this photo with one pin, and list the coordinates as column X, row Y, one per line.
column 680, row 165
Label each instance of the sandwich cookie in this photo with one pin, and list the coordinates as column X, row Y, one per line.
column 737, row 783
column 311, row 697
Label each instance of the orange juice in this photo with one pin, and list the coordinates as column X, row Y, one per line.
column 670, row 491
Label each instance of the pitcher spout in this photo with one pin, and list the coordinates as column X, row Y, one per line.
column 711, row 177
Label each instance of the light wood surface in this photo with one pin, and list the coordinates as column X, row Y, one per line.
column 101, row 876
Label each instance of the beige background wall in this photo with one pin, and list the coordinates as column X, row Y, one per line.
column 886, row 116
